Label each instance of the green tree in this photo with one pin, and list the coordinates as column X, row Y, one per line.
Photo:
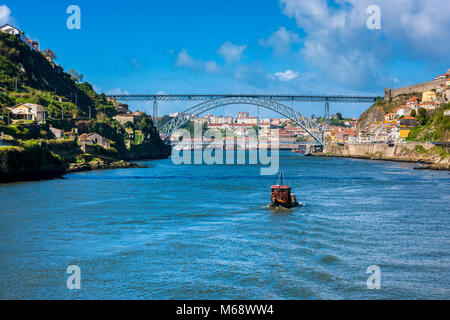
column 146, row 126
column 129, row 124
column 423, row 118
column 413, row 113
column 75, row 76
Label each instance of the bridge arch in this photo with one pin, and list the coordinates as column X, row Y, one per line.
column 312, row 128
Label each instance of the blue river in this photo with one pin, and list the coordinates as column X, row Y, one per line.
column 205, row 232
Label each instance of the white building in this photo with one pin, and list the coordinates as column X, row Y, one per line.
column 199, row 120
column 7, row 28
column 406, row 111
column 247, row 120
column 220, row 120
column 29, row 111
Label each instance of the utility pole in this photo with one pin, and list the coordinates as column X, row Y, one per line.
column 89, row 111
column 15, row 81
column 76, row 98
column 62, row 112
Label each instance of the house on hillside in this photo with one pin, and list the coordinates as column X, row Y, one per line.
column 94, row 138
column 409, row 122
column 129, row 117
column 126, row 117
column 404, row 111
column 89, row 139
column 58, row 133
column 29, row 111
column 429, row 96
column 7, row 28
column 443, row 76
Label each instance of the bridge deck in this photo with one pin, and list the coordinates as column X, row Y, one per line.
column 276, row 97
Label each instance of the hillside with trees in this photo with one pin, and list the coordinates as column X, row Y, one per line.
column 71, row 106
column 27, row 76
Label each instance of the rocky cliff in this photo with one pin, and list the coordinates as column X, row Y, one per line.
column 432, row 156
column 377, row 111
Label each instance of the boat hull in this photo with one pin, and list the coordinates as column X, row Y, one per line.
column 292, row 203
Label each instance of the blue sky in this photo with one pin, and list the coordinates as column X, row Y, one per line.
column 276, row 46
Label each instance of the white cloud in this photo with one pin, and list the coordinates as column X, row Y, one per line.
column 186, row 61
column 281, row 41
column 287, row 75
column 5, row 16
column 231, row 52
column 211, row 66
column 340, row 45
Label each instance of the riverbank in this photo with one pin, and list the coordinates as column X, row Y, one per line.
column 34, row 161
column 429, row 155
column 100, row 165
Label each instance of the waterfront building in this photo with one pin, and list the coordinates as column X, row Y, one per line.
column 199, row 120
column 404, row 133
column 220, row 119
column 242, row 115
column 247, row 120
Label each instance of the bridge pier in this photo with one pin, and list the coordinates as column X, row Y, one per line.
column 326, row 119
column 155, row 114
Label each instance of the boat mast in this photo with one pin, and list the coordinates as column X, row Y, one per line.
column 281, row 177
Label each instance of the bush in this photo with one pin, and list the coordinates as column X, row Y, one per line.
column 419, row 149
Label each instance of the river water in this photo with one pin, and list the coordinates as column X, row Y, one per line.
column 204, row 232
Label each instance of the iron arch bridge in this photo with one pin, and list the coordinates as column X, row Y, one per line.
column 269, row 101
column 312, row 128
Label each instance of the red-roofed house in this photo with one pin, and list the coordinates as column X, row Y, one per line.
column 87, row 139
